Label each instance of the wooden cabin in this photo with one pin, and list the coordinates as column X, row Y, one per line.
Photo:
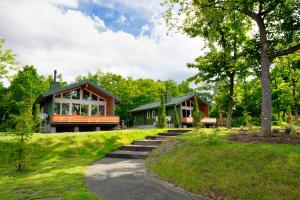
column 145, row 116
column 82, row 106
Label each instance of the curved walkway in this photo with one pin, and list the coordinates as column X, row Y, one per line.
column 127, row 179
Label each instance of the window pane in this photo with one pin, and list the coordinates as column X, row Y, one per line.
column 65, row 108
column 86, row 95
column 76, row 94
column 67, row 95
column 188, row 113
column 84, row 109
column 58, row 96
column 57, row 108
column 184, row 113
column 75, row 109
column 183, row 103
column 94, row 110
column 94, row 97
column 101, row 109
column 100, row 99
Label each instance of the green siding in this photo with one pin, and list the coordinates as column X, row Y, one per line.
column 141, row 117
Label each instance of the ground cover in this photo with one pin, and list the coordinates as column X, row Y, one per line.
column 57, row 163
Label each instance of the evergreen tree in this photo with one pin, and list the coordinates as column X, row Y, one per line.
column 163, row 116
column 175, row 118
column 197, row 114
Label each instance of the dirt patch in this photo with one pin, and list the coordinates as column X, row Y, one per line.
column 256, row 138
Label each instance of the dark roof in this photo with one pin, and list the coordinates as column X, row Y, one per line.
column 74, row 85
column 174, row 101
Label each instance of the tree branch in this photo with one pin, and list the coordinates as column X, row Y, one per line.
column 271, row 7
column 284, row 52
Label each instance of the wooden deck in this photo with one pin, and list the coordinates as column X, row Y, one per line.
column 205, row 120
column 82, row 119
column 186, row 120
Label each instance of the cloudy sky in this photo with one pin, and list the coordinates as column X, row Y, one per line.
column 75, row 37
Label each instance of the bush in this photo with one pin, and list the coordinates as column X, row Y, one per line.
column 208, row 138
column 290, row 129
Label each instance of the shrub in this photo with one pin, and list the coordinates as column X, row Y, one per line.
column 290, row 129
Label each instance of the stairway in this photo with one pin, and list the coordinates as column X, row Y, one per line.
column 139, row 149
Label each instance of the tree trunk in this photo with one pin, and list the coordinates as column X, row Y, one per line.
column 230, row 102
column 266, row 105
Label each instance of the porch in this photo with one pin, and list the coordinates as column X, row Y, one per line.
column 84, row 119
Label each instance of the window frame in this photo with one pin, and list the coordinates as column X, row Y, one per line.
column 148, row 114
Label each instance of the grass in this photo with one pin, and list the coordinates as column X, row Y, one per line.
column 205, row 163
column 56, row 163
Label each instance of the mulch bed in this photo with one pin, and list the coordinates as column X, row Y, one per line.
column 256, row 138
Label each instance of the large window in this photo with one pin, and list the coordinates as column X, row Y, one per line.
column 76, row 94
column 67, row 95
column 101, row 110
column 84, row 109
column 94, row 110
column 65, row 108
column 94, row 97
column 86, row 95
column 153, row 113
column 75, row 109
column 57, row 108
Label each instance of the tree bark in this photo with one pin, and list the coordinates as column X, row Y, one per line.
column 266, row 105
column 230, row 102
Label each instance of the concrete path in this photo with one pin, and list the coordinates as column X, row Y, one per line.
column 127, row 179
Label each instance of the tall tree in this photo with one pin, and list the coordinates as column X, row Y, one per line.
column 7, row 61
column 278, row 23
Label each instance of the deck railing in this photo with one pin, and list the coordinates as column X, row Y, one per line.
column 85, row 119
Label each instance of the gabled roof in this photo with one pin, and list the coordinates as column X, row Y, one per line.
column 174, row 101
column 78, row 84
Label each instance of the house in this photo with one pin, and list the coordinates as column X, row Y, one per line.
column 145, row 116
column 82, row 106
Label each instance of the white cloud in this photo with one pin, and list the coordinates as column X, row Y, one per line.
column 122, row 19
column 43, row 35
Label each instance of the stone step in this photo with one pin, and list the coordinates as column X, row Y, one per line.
column 147, row 142
column 159, row 137
column 133, row 147
column 170, row 134
column 179, row 131
column 128, row 154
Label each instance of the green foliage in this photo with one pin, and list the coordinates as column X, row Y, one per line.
column 57, row 163
column 7, row 61
column 248, row 120
column 197, row 114
column 175, row 118
column 162, row 113
column 228, row 170
column 290, row 129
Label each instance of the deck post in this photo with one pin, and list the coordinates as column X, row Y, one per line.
column 52, row 129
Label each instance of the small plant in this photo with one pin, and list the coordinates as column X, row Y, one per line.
column 290, row 129
column 248, row 121
column 175, row 118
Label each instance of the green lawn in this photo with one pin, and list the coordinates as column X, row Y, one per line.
column 205, row 163
column 57, row 163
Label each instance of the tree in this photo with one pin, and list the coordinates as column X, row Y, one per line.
column 163, row 116
column 278, row 23
column 23, row 131
column 197, row 114
column 175, row 118
column 7, row 61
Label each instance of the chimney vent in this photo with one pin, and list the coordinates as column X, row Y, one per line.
column 54, row 85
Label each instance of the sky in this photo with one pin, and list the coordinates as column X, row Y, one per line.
column 126, row 37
